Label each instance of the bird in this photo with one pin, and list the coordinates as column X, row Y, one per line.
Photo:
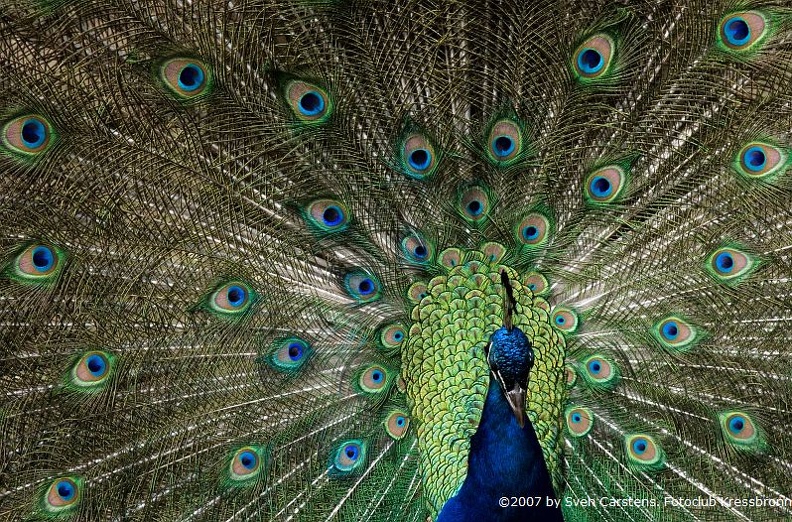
column 405, row 260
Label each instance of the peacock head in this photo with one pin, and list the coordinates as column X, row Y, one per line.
column 510, row 356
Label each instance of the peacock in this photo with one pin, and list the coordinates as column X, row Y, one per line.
column 395, row 260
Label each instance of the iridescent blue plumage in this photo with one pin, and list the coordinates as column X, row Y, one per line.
column 505, row 459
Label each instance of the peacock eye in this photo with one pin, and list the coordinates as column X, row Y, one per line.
column 418, row 157
column 327, row 215
column 349, row 456
column 396, row 424
column 474, row 204
column 579, row 421
column 362, row 286
column 244, row 463
column 592, row 59
column 37, row 263
column 600, row 371
column 565, row 319
column 729, row 264
column 505, row 142
column 416, row 249
column 760, row 161
column 741, row 31
column 674, row 332
column 232, row 299
column 309, row 102
column 91, row 370
column 374, row 379
column 187, row 78
column 739, row 429
column 28, row 135
column 246, row 466
column 643, row 452
column 63, row 495
column 392, row 336
column 289, row 355
column 533, row 230
column 605, row 185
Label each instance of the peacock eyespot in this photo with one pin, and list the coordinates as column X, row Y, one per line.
column 643, row 452
column 592, row 59
column 289, row 355
column 232, row 299
column 28, row 135
column 505, row 142
column 392, row 336
column 349, row 456
column 416, row 249
column 37, row 263
column 362, row 287
column 91, row 370
column 327, row 215
column 63, row 495
column 244, row 463
column 418, row 157
column 579, row 421
column 309, row 102
column 675, row 333
column 760, row 161
column 565, row 319
column 533, row 230
column 187, row 78
column 374, row 379
column 600, row 371
column 739, row 428
column 474, row 204
column 396, row 424
column 728, row 264
column 741, row 31
column 605, row 185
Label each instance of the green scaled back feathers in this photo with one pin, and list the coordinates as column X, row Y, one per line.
column 250, row 254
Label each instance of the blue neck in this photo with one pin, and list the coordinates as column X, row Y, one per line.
column 505, row 461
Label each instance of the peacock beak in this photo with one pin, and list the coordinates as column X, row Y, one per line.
column 514, row 392
column 516, row 398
